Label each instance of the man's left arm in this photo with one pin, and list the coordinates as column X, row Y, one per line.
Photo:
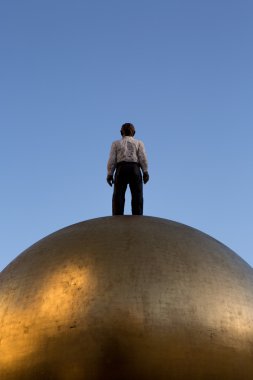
column 111, row 165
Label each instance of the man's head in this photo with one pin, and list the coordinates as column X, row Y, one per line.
column 127, row 129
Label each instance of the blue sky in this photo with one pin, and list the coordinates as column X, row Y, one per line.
column 72, row 72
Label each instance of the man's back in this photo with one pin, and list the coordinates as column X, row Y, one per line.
column 127, row 149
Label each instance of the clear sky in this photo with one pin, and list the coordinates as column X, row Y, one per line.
column 72, row 72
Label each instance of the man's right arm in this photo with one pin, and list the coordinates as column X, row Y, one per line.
column 142, row 157
column 143, row 161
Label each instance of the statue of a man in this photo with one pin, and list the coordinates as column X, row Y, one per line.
column 127, row 156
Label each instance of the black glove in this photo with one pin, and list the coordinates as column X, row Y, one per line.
column 109, row 180
column 145, row 177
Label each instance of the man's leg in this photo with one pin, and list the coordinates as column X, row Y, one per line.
column 136, row 191
column 118, row 198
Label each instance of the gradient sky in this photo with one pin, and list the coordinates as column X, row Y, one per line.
column 71, row 72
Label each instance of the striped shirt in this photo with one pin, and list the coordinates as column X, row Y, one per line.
column 127, row 149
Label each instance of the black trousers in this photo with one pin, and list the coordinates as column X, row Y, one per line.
column 127, row 173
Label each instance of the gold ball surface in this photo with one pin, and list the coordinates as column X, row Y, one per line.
column 127, row 298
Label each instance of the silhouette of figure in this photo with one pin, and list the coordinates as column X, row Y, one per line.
column 126, row 158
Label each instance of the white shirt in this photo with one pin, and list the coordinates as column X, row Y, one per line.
column 127, row 149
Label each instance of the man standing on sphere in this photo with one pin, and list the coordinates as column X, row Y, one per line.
column 127, row 156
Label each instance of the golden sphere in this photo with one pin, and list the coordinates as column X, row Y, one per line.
column 127, row 298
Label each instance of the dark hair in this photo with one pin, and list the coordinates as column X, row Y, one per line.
column 127, row 129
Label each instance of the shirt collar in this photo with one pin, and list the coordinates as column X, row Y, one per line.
column 128, row 137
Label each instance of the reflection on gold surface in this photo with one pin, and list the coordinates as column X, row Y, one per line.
column 62, row 290
column 51, row 311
